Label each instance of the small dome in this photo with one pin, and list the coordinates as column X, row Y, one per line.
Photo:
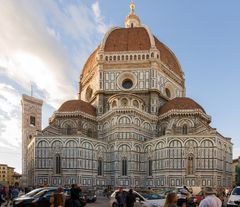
column 77, row 105
column 182, row 103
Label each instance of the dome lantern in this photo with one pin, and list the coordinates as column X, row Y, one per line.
column 132, row 20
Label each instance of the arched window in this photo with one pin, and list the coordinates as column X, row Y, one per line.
column 168, row 92
column 32, row 121
column 124, row 167
column 124, row 102
column 150, row 167
column 185, row 129
column 124, row 120
column 89, row 93
column 163, row 130
column 190, row 165
column 69, row 130
column 89, row 133
column 135, row 103
column 114, row 104
column 58, row 164
column 100, row 167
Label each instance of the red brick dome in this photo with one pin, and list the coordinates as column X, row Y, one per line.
column 77, row 105
column 134, row 39
column 182, row 103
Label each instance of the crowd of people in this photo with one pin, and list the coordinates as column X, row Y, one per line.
column 123, row 198
column 127, row 199
column 210, row 200
column 58, row 199
column 7, row 194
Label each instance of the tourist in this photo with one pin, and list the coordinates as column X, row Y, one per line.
column 182, row 199
column 171, row 200
column 130, row 198
column 121, row 197
column 58, row 199
column 211, row 200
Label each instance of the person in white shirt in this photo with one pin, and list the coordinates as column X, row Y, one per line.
column 211, row 200
column 182, row 198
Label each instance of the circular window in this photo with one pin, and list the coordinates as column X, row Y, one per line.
column 127, row 84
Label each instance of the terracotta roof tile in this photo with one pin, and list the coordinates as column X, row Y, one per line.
column 134, row 39
column 128, row 39
column 77, row 105
column 180, row 103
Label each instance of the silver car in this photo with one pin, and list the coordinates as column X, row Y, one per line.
column 145, row 200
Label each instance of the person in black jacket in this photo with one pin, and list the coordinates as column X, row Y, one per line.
column 131, row 198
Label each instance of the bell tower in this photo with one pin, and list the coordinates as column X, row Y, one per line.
column 31, row 122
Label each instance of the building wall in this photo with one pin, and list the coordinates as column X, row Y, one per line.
column 169, row 155
column 31, row 122
column 3, row 174
column 235, row 164
column 7, row 175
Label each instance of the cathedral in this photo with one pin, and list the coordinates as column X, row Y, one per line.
column 132, row 124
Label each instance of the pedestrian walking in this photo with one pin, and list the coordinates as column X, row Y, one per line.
column 171, row 200
column 121, row 197
column 211, row 200
column 58, row 199
column 130, row 198
column 75, row 197
column 182, row 200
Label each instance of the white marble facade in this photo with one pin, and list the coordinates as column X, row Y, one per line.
column 132, row 125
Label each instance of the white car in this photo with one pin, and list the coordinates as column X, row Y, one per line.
column 234, row 199
column 144, row 200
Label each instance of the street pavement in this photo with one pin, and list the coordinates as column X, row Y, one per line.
column 100, row 202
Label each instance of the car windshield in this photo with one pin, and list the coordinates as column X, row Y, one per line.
column 46, row 191
column 236, row 191
column 152, row 196
column 33, row 192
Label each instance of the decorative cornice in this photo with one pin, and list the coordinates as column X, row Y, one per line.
column 176, row 112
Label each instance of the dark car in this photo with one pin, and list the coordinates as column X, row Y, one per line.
column 32, row 192
column 90, row 196
column 40, row 199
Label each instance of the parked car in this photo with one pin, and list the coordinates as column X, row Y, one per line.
column 234, row 198
column 40, row 199
column 32, row 192
column 146, row 200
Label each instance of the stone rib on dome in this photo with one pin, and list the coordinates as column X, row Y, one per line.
column 180, row 103
column 77, row 105
column 168, row 57
column 90, row 62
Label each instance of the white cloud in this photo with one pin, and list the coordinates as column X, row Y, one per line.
column 102, row 27
column 10, row 125
column 43, row 43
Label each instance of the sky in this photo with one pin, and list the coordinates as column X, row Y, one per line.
column 46, row 43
